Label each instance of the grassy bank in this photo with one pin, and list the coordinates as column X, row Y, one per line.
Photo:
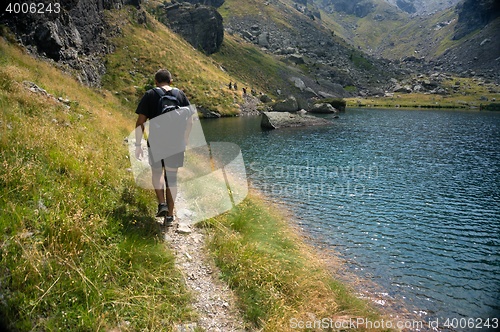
column 463, row 93
column 279, row 280
column 79, row 249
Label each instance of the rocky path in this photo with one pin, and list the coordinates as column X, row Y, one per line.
column 213, row 300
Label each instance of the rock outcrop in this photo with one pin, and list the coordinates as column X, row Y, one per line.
column 275, row 120
column 213, row 3
column 200, row 25
column 288, row 105
column 76, row 36
column 406, row 6
column 474, row 15
column 323, row 108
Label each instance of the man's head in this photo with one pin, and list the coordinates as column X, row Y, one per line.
column 163, row 76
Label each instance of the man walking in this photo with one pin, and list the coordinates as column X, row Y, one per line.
column 167, row 140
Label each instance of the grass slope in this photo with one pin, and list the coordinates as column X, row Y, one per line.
column 78, row 248
column 248, row 64
column 141, row 50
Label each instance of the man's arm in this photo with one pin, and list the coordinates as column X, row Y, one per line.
column 141, row 119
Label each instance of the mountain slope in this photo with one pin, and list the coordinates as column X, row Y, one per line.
column 460, row 39
column 140, row 50
column 287, row 31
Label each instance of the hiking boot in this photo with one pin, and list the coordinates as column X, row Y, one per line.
column 162, row 210
column 168, row 221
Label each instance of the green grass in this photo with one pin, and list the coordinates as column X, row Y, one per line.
column 463, row 93
column 79, row 249
column 248, row 64
column 140, row 51
column 276, row 277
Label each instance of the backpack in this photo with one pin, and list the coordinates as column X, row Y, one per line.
column 168, row 102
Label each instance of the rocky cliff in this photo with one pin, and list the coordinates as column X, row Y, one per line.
column 200, row 25
column 76, row 35
column 475, row 15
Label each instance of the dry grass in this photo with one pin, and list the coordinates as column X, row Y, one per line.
column 278, row 279
column 79, row 250
column 141, row 51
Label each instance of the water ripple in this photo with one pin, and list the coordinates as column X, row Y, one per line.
column 410, row 198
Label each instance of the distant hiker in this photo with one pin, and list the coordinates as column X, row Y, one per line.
column 230, row 85
column 236, row 86
column 244, row 91
column 167, row 139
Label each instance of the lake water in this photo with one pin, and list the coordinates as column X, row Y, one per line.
column 410, row 198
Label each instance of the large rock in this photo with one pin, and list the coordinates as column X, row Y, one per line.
column 76, row 36
column 474, row 15
column 200, row 25
column 297, row 59
column 324, row 108
column 213, row 3
column 288, row 105
column 274, row 120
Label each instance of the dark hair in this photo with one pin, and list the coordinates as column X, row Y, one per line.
column 163, row 76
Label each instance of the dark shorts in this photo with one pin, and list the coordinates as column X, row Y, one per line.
column 174, row 161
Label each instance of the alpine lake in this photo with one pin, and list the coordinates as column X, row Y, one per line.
column 410, row 199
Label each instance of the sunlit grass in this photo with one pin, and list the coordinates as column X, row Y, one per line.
column 141, row 52
column 278, row 279
column 467, row 93
column 79, row 248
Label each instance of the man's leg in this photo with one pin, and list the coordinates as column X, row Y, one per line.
column 171, row 188
column 158, row 184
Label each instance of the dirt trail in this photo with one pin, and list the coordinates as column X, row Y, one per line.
column 213, row 299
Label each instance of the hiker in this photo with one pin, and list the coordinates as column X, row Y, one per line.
column 177, row 121
column 230, row 85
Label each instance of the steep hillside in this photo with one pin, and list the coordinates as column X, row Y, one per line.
column 288, row 31
column 79, row 248
column 103, row 50
column 460, row 39
column 142, row 49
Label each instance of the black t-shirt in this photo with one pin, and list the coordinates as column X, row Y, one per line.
column 148, row 105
